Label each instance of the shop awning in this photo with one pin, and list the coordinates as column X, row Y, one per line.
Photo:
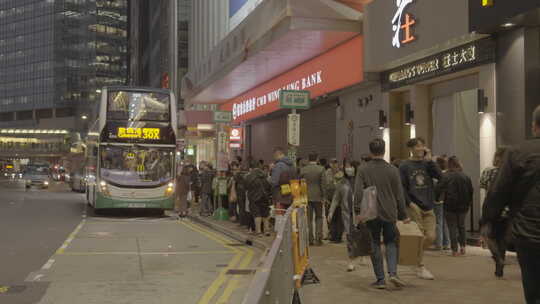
column 277, row 36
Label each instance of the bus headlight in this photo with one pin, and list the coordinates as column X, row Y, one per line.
column 170, row 189
column 104, row 188
column 46, row 183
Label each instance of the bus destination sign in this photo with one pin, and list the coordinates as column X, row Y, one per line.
column 139, row 133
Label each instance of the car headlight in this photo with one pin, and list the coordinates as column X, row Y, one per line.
column 46, row 183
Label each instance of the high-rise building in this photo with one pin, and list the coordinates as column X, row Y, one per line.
column 149, row 33
column 55, row 55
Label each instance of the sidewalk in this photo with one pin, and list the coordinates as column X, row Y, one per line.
column 463, row 280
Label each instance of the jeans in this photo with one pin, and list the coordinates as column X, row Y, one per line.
column 456, row 225
column 530, row 270
column 389, row 233
column 315, row 209
column 426, row 222
column 443, row 239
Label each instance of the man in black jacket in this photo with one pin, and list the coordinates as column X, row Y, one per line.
column 518, row 187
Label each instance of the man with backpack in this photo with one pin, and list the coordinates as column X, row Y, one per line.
column 282, row 173
column 258, row 194
column 517, row 187
column 314, row 175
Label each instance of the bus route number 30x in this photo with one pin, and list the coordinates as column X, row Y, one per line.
column 139, row 133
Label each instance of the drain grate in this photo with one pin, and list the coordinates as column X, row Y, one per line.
column 12, row 289
column 240, row 271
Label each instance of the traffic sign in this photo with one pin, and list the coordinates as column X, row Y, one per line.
column 293, row 130
column 223, row 116
column 294, row 99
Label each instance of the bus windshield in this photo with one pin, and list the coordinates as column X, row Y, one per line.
column 136, row 166
column 138, row 106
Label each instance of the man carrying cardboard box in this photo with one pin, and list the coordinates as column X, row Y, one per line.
column 417, row 176
column 390, row 208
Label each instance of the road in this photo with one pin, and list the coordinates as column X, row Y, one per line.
column 52, row 252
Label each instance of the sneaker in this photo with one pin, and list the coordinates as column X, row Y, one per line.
column 397, row 281
column 424, row 274
column 350, row 267
column 462, row 251
column 455, row 254
column 380, row 284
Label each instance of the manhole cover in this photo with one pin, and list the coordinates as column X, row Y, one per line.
column 11, row 289
column 240, row 271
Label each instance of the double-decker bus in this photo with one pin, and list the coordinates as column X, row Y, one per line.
column 130, row 150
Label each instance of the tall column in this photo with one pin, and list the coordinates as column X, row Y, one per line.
column 173, row 47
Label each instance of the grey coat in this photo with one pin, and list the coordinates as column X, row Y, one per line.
column 343, row 197
column 314, row 176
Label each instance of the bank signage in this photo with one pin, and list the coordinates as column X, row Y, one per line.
column 336, row 69
column 453, row 60
column 253, row 103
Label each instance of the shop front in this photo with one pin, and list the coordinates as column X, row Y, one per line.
column 265, row 123
column 438, row 82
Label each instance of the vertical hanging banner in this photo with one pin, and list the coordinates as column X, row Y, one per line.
column 293, row 130
column 223, row 141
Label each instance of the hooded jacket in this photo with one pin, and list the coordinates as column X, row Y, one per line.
column 257, row 186
column 456, row 190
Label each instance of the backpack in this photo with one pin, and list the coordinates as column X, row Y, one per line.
column 284, row 195
column 259, row 190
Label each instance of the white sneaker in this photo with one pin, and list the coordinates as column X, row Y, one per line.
column 350, row 267
column 424, row 274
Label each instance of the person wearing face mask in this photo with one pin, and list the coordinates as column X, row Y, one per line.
column 314, row 176
column 349, row 171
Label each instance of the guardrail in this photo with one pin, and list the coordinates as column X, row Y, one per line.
column 286, row 265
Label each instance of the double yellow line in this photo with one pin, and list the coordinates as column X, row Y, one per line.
column 241, row 260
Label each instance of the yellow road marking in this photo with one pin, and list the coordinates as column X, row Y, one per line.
column 4, row 289
column 147, row 253
column 70, row 238
column 233, row 282
column 222, row 277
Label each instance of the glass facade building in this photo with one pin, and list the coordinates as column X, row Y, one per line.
column 56, row 54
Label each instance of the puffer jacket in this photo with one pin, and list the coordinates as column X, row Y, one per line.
column 518, row 187
column 456, row 190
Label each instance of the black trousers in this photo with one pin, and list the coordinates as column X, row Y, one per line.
column 335, row 229
column 530, row 270
column 456, row 227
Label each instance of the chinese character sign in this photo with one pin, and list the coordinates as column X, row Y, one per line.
column 402, row 24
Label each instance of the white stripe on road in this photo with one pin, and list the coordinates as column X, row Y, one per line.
column 48, row 265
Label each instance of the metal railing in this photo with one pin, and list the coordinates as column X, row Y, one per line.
column 275, row 281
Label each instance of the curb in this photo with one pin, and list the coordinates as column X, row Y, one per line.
column 230, row 233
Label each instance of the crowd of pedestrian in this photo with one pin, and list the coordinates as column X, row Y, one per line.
column 433, row 192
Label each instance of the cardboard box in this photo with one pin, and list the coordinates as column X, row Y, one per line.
column 411, row 242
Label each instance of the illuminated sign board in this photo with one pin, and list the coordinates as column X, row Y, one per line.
column 453, row 60
column 236, row 134
column 139, row 133
column 402, row 24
